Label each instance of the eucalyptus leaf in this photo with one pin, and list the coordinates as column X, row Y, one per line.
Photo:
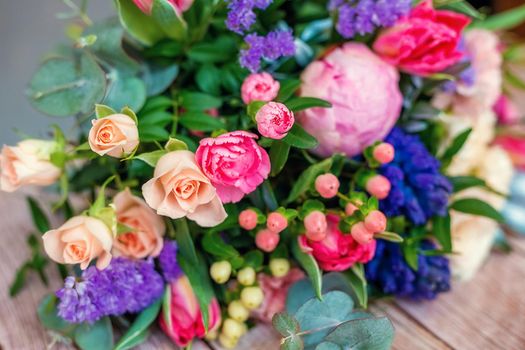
column 48, row 315
column 96, row 336
column 285, row 324
column 158, row 76
column 364, row 333
column 124, row 90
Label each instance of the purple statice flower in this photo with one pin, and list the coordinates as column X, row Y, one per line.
column 124, row 286
column 419, row 190
column 241, row 15
column 279, row 43
column 168, row 261
column 364, row 16
column 391, row 274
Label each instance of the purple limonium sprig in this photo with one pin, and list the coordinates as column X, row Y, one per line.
column 360, row 17
column 168, row 261
column 241, row 15
column 124, row 286
column 276, row 44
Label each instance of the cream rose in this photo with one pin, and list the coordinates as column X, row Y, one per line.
column 115, row 135
column 146, row 238
column 179, row 189
column 27, row 163
column 80, row 240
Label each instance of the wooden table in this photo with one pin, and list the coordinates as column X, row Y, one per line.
column 485, row 313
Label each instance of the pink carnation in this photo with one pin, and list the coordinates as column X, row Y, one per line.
column 365, row 97
column 259, row 87
column 424, row 42
column 274, row 120
column 179, row 5
column 338, row 251
column 234, row 163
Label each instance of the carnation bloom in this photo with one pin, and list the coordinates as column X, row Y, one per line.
column 365, row 98
column 274, row 120
column 418, row 189
column 337, row 251
column 424, row 42
column 259, row 87
column 389, row 272
column 234, row 163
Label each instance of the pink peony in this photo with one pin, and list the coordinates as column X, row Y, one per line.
column 234, row 163
column 338, row 251
column 506, row 110
column 424, row 42
column 274, row 120
column 179, row 5
column 275, row 290
column 183, row 322
column 365, row 97
column 259, row 87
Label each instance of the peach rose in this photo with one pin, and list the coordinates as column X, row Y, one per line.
column 179, row 189
column 78, row 241
column 146, row 239
column 27, row 163
column 115, row 135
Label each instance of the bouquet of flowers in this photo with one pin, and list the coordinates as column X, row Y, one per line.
column 251, row 161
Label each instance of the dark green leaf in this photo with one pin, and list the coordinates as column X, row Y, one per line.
column 213, row 244
column 200, row 121
column 268, row 196
column 298, row 137
column 159, row 118
column 153, row 132
column 154, row 104
column 141, row 26
column 455, row 147
column 461, row 183
column 19, row 280
column 254, row 258
column 389, row 236
column 309, row 264
column 208, row 79
column 169, row 20
column 307, row 178
column 442, row 231
column 411, row 256
column 221, row 50
column 475, row 206
column 300, row 103
column 96, row 336
column 287, row 89
column 137, row 333
column 197, row 101
column 39, row 218
column 504, row 20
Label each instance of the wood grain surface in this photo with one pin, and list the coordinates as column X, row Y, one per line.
column 487, row 312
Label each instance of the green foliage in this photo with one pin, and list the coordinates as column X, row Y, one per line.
column 442, row 231
column 138, row 332
column 214, row 244
column 197, row 101
column 475, row 206
column 298, row 137
column 279, row 152
column 141, row 26
column 169, row 20
column 307, row 179
column 504, row 20
column 297, row 104
column 96, row 336
column 48, row 315
column 356, row 277
column 454, row 147
column 196, row 120
column 288, row 88
column 309, row 264
column 39, row 218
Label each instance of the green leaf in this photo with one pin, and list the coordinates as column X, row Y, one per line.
column 158, row 76
column 363, row 333
column 102, row 111
column 292, row 342
column 389, row 236
column 197, row 101
column 151, row 158
column 461, row 183
column 287, row 89
column 301, row 103
column 169, row 19
column 19, row 280
column 222, row 49
column 309, row 264
column 285, row 324
column 253, row 107
column 465, row 8
column 153, row 132
column 454, row 147
column 298, row 137
column 411, row 255
column 158, row 118
column 442, row 231
column 64, row 87
column 356, row 276
column 213, row 244
column 504, row 20
column 138, row 331
column 475, row 206
column 129, row 112
column 200, row 121
column 155, row 104
column 48, row 315
column 125, row 91
column 307, row 178
column 141, row 26
column 268, row 196
column 175, row 145
column 254, row 258
column 96, row 336
column 39, row 218
column 208, row 79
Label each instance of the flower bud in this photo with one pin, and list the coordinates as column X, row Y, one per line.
column 279, row 267
column 327, row 185
column 350, row 209
column 315, row 224
column 259, row 87
column 227, row 342
column 378, row 186
column 232, row 329
column 375, row 221
column 252, row 297
column 220, row 271
column 361, row 234
column 248, row 219
column 267, row 240
column 274, row 120
column 246, row 276
column 276, row 222
column 384, row 153
column 238, row 311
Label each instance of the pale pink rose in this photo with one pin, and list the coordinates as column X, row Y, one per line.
column 424, row 42
column 259, row 87
column 148, row 228
column 179, row 5
column 80, row 240
column 506, row 110
column 115, row 135
column 27, row 163
column 182, row 322
column 274, row 120
column 337, row 251
column 180, row 189
column 275, row 290
column 365, row 97
column 470, row 100
column 234, row 163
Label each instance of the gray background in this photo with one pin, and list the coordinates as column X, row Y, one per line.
column 28, row 29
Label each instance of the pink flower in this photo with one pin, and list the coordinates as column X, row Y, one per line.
column 275, row 290
column 365, row 97
column 515, row 147
column 259, row 87
column 179, row 5
column 506, row 110
column 274, row 120
column 183, row 323
column 234, row 163
column 338, row 251
column 424, row 42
